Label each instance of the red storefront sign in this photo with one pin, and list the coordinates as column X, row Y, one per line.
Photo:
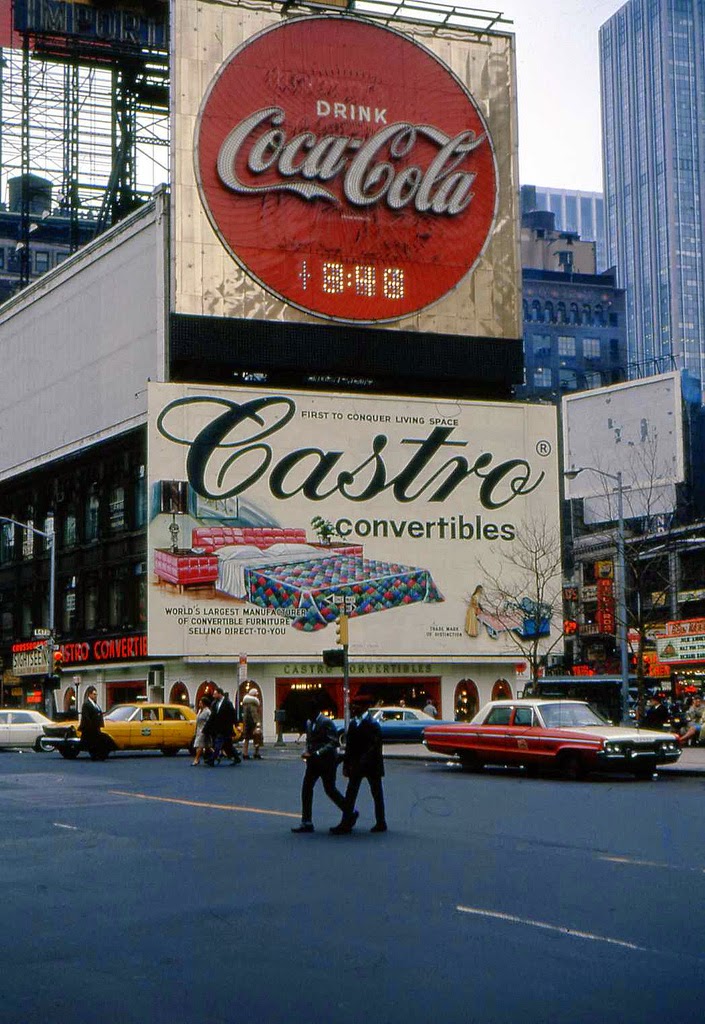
column 605, row 617
column 346, row 168
column 105, row 649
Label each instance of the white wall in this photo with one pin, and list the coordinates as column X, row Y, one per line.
column 77, row 346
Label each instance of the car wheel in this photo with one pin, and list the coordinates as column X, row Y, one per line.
column 572, row 765
column 169, row 751
column 70, row 753
column 38, row 748
column 470, row 763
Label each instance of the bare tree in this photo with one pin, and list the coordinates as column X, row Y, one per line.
column 524, row 596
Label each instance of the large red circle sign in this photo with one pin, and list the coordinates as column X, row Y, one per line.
column 346, row 168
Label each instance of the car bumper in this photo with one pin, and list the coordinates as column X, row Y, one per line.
column 636, row 758
column 49, row 743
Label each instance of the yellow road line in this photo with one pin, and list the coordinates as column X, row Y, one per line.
column 200, row 803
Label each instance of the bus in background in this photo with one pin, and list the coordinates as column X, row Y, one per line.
column 604, row 693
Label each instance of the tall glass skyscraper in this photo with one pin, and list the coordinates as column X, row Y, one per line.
column 652, row 66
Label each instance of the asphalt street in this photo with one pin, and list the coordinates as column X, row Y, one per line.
column 144, row 890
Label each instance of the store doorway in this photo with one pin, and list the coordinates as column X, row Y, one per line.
column 124, row 692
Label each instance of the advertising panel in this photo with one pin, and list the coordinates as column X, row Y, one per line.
column 330, row 167
column 634, row 428
column 684, row 640
column 272, row 512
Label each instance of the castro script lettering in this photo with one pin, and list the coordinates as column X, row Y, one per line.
column 367, row 167
column 230, row 449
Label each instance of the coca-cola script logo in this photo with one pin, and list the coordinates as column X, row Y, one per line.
column 346, row 169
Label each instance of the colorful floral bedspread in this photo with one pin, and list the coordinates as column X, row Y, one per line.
column 311, row 587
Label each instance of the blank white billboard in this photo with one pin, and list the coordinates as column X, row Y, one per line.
column 635, row 429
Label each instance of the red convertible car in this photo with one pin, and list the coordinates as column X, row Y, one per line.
column 564, row 734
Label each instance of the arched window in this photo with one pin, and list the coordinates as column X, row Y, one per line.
column 178, row 693
column 574, row 313
column 70, row 701
column 527, row 311
column 549, row 315
column 561, row 315
column 501, row 690
column 206, row 689
column 536, row 312
column 587, row 314
column 466, row 702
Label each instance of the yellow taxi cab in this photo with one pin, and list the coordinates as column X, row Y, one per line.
column 138, row 726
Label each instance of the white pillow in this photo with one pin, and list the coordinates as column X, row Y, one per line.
column 291, row 549
column 239, row 551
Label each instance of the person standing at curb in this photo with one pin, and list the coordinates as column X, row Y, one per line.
column 219, row 728
column 363, row 759
column 321, row 757
column 252, row 722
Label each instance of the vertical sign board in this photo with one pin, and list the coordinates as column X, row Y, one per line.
column 405, row 512
column 327, row 167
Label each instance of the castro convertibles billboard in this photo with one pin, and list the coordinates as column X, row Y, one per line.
column 272, row 512
column 338, row 169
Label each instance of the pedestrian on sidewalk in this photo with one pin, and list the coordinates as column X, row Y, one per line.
column 363, row 759
column 252, row 723
column 219, row 729
column 321, row 758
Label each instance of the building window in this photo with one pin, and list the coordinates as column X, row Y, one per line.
column 591, row 348
column 542, row 377
column 566, row 345
column 70, row 530
column 140, row 498
column 92, row 514
column 117, row 508
column 41, row 261
column 70, row 606
column 7, row 542
column 90, row 614
column 28, row 540
column 2, row 257
column 541, row 345
column 116, row 602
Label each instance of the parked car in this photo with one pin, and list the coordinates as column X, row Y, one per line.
column 564, row 734
column 138, row 726
column 20, row 727
column 398, row 724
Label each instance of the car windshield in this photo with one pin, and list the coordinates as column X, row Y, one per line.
column 560, row 715
column 122, row 713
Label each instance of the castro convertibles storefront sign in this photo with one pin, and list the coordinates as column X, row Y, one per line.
column 104, row 649
column 346, row 168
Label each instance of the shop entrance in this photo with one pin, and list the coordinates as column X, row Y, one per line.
column 124, row 692
column 294, row 696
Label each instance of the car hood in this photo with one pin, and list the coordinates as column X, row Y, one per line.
column 621, row 734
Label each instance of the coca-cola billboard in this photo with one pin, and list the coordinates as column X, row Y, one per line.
column 346, row 169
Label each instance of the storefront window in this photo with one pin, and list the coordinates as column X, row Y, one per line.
column 467, row 701
column 178, row 694
column 501, row 690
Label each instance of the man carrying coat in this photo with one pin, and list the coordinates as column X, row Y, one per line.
column 363, row 760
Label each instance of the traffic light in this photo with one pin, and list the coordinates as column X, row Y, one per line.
column 334, row 658
column 341, row 631
column 57, row 662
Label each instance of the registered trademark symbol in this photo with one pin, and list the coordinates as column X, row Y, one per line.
column 543, row 448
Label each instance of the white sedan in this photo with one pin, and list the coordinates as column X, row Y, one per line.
column 20, row 727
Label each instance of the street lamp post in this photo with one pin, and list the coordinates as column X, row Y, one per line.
column 621, row 581
column 49, row 536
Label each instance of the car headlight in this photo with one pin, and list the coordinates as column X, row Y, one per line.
column 613, row 748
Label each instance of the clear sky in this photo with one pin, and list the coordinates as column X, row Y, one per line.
column 558, row 88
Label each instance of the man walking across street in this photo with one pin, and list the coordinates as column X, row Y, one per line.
column 219, row 728
column 363, row 760
column 321, row 757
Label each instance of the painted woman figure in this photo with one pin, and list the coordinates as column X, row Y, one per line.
column 472, row 623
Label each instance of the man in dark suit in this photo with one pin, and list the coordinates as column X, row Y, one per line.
column 219, row 728
column 92, row 739
column 321, row 757
column 363, row 760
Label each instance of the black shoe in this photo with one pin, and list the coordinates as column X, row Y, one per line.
column 258, row 757
column 235, row 760
column 378, row 828
column 245, row 757
column 345, row 827
column 304, row 827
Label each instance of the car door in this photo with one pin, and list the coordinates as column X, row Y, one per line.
column 526, row 738
column 177, row 730
column 4, row 728
column 492, row 735
column 146, row 730
column 23, row 730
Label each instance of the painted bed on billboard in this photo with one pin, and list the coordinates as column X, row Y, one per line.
column 279, row 569
column 270, row 512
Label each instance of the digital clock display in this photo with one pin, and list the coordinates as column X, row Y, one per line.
column 335, row 184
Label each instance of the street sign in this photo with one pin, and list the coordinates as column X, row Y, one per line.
column 41, row 633
column 31, row 659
